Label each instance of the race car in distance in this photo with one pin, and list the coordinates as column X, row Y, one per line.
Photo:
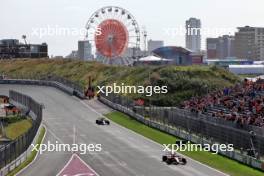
column 171, row 158
column 102, row 121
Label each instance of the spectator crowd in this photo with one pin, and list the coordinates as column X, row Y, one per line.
column 242, row 104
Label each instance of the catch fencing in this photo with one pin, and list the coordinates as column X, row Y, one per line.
column 49, row 77
column 56, row 82
column 11, row 153
column 196, row 128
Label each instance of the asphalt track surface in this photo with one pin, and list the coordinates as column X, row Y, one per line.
column 124, row 152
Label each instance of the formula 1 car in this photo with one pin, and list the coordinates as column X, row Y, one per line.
column 171, row 158
column 102, row 121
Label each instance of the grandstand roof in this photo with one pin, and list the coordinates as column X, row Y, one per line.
column 171, row 49
column 153, row 59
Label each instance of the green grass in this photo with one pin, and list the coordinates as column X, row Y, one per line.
column 16, row 129
column 218, row 162
column 31, row 156
column 183, row 81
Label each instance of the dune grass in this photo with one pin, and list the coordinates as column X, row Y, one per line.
column 183, row 81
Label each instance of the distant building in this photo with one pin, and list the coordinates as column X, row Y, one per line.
column 220, row 48
column 154, row 44
column 229, row 61
column 85, row 50
column 11, row 48
column 211, row 46
column 247, row 69
column 179, row 55
column 228, row 46
column 249, row 43
column 132, row 52
column 171, row 55
column 72, row 55
column 9, row 42
column 193, row 34
column 197, row 58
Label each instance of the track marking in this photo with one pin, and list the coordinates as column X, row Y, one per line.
column 54, row 135
column 86, row 170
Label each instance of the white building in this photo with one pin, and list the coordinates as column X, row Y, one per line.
column 247, row 69
column 193, row 34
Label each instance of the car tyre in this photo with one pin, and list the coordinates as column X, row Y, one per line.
column 164, row 158
column 184, row 161
column 168, row 161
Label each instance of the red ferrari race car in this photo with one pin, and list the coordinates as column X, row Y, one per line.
column 171, row 158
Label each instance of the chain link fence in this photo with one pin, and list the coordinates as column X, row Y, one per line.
column 12, row 150
column 196, row 128
column 49, row 77
column 64, row 85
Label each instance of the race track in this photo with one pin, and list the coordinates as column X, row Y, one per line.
column 124, row 152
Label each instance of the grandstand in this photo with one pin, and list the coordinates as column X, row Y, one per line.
column 242, row 104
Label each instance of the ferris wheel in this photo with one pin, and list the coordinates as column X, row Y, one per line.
column 114, row 35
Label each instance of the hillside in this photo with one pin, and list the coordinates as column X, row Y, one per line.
column 183, row 81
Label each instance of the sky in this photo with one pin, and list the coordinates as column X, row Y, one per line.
column 160, row 18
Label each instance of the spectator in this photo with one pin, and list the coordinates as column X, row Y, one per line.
column 242, row 104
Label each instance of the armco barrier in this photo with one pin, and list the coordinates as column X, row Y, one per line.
column 162, row 125
column 235, row 155
column 17, row 151
column 67, row 89
column 247, row 138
